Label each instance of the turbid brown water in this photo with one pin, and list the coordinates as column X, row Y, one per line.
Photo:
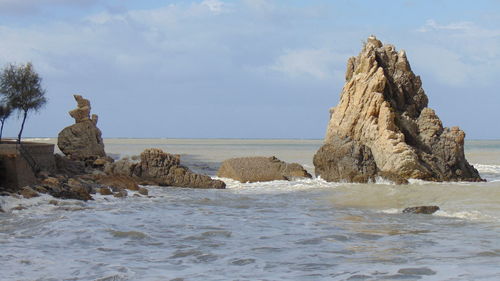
column 299, row 230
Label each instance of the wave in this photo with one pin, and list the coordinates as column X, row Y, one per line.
column 490, row 169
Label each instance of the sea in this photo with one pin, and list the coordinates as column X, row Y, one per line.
column 305, row 229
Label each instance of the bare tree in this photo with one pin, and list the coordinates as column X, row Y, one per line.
column 22, row 90
column 5, row 112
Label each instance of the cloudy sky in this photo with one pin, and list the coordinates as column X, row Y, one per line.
column 244, row 69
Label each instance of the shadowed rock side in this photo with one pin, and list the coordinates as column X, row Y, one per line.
column 159, row 168
column 255, row 169
column 82, row 140
column 382, row 123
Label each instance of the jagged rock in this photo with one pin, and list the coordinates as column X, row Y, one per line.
column 82, row 140
column 28, row 192
column 105, row 191
column 69, row 167
column 255, row 169
column 421, row 210
column 383, row 113
column 159, row 168
column 51, row 182
column 73, row 189
column 121, row 193
column 120, row 181
column 143, row 191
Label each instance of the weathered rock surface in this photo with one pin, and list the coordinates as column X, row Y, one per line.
column 119, row 181
column 382, row 119
column 344, row 159
column 421, row 210
column 82, row 140
column 255, row 169
column 159, row 168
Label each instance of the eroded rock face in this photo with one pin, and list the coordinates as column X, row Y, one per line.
column 159, row 168
column 255, row 169
column 82, row 140
column 382, row 117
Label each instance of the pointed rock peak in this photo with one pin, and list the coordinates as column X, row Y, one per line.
column 383, row 127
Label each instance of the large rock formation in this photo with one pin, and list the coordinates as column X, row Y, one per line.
column 82, row 140
column 383, row 127
column 255, row 169
column 159, row 168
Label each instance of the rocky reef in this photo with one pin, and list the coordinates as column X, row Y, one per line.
column 82, row 140
column 255, row 169
column 157, row 167
column 383, row 127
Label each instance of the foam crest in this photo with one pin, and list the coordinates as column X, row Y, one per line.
column 278, row 186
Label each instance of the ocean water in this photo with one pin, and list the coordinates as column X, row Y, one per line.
column 298, row 230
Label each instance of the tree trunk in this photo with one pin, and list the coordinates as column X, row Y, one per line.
column 1, row 129
column 22, row 126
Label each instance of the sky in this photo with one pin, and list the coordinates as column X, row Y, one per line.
column 243, row 69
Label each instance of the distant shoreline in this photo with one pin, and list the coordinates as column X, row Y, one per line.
column 222, row 138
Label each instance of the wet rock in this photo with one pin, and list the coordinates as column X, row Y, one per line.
column 421, row 210
column 28, row 192
column 40, row 189
column 159, row 168
column 257, row 169
column 54, row 202
column 417, row 271
column 382, row 120
column 345, row 160
column 105, row 191
column 121, row 193
column 82, row 140
column 120, row 181
column 143, row 191
column 73, row 189
column 51, row 182
column 69, row 167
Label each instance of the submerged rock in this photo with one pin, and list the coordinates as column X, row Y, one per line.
column 82, row 140
column 383, row 127
column 159, row 168
column 255, row 169
column 421, row 210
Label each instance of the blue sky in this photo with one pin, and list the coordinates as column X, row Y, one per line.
column 244, row 69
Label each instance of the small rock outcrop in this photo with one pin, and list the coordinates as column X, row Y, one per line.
column 82, row 140
column 159, row 168
column 383, row 127
column 256, row 169
column 428, row 210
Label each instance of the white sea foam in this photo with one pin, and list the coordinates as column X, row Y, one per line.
column 277, row 186
column 391, row 211
column 492, row 169
column 473, row 215
column 281, row 230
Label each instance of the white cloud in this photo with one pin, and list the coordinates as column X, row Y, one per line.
column 214, row 5
column 445, row 65
column 458, row 53
column 317, row 63
column 33, row 6
column 460, row 29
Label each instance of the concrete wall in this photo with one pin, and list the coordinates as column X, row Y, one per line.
column 15, row 172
